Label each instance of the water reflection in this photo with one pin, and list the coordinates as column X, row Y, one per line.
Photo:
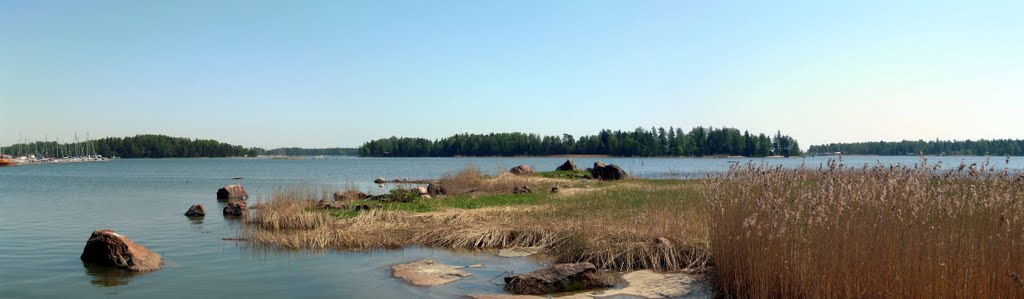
column 105, row 276
column 196, row 219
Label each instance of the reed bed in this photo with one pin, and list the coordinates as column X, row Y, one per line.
column 868, row 231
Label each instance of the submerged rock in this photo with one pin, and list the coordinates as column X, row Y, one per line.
column 429, row 272
column 196, row 210
column 569, row 165
column 518, row 251
column 108, row 248
column 234, row 208
column 607, row 172
column 521, row 170
column 232, row 192
column 558, row 278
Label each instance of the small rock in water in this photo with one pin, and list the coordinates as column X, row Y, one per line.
column 108, row 248
column 232, row 192
column 234, row 208
column 558, row 278
column 196, row 210
column 475, row 266
column 429, row 272
column 380, row 181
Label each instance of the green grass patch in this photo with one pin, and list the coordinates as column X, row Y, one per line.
column 565, row 174
column 458, row 202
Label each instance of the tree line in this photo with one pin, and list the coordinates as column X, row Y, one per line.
column 157, row 146
column 295, row 151
column 699, row 141
column 996, row 147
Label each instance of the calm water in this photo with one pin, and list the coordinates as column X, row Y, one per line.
column 48, row 211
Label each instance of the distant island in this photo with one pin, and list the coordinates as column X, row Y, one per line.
column 996, row 147
column 158, row 146
column 295, row 151
column 699, row 141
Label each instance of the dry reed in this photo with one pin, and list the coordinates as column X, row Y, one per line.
column 882, row 231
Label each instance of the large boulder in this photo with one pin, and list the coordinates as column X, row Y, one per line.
column 557, row 278
column 436, row 189
column 607, row 172
column 235, row 208
column 232, row 192
column 569, row 165
column 521, row 170
column 108, row 248
column 421, row 191
column 196, row 210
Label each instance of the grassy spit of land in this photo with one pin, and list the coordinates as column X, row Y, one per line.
column 615, row 225
column 760, row 232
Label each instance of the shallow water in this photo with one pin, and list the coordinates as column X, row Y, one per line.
column 47, row 212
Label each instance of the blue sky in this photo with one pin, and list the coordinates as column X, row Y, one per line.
column 334, row 73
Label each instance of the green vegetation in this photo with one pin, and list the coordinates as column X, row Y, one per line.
column 998, row 147
column 565, row 174
column 457, row 202
column 699, row 141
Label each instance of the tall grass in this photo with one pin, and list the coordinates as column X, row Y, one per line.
column 882, row 231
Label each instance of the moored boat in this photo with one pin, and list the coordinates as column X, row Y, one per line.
column 6, row 160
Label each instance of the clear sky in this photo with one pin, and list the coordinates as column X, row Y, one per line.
column 336, row 73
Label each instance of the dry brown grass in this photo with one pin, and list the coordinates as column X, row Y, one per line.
column 471, row 181
column 907, row 232
column 613, row 225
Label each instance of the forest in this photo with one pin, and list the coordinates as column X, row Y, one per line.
column 295, row 151
column 139, row 146
column 699, row 141
column 997, row 147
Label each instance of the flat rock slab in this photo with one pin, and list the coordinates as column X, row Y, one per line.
column 518, row 251
column 428, row 272
column 650, row 284
column 643, row 284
